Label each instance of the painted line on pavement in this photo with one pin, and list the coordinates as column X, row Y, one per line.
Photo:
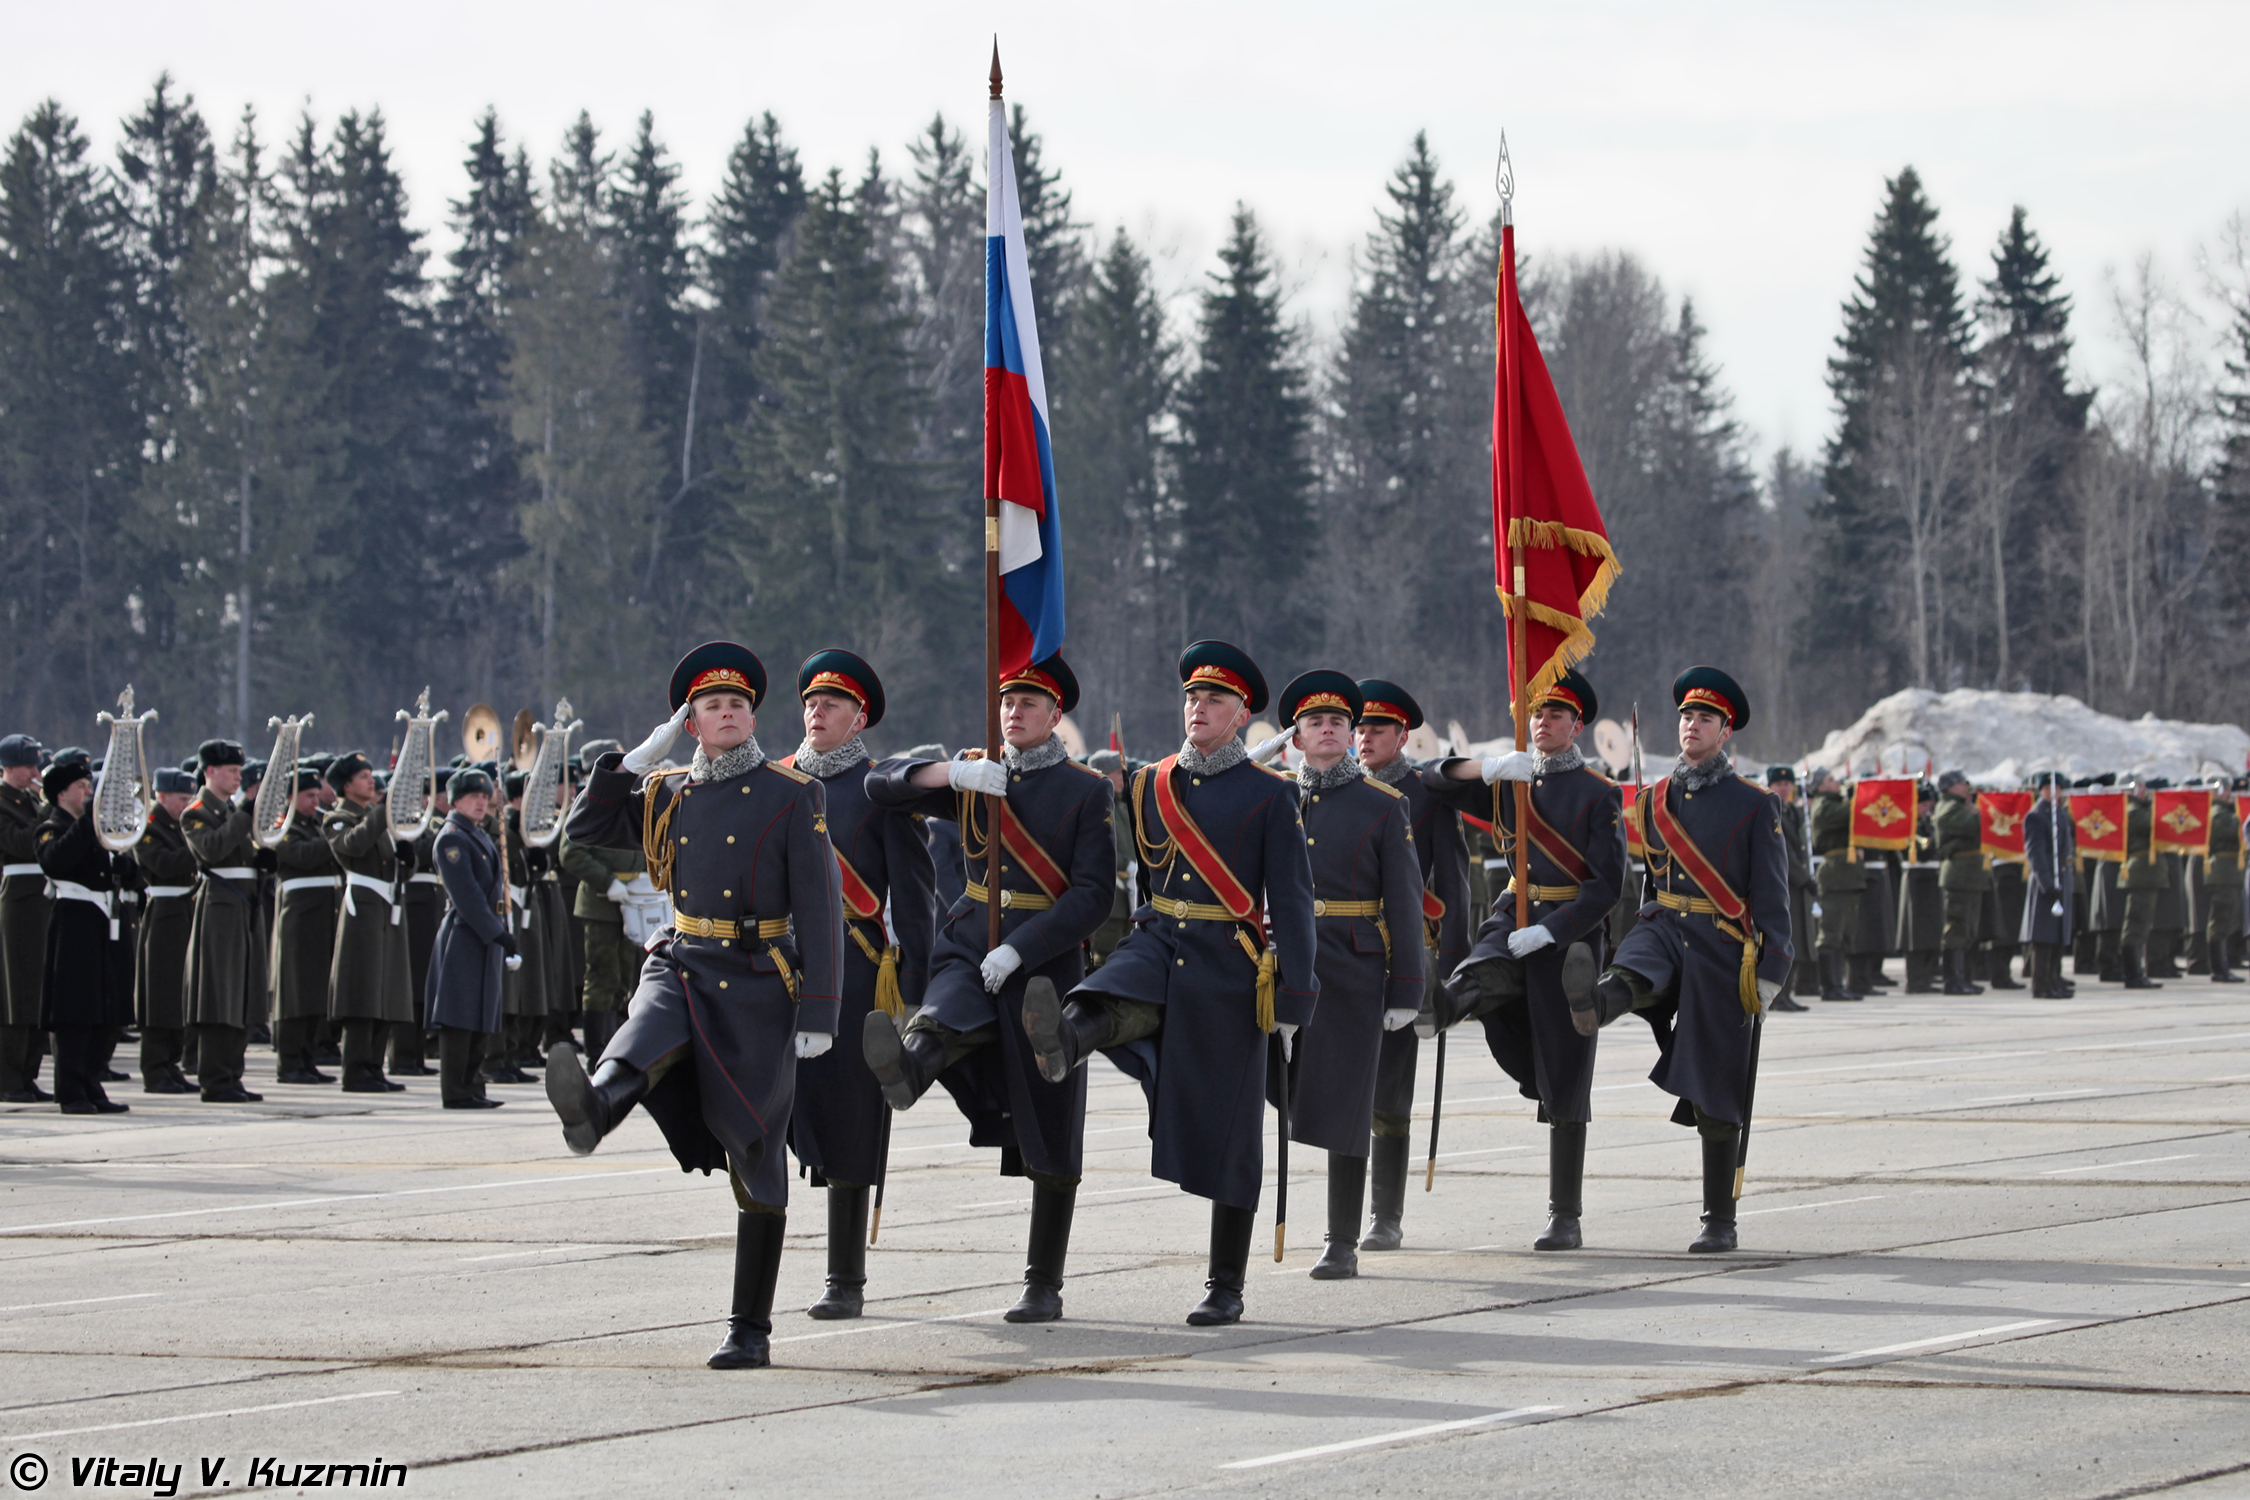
column 79, row 1301
column 243, row 1208
column 838, row 1333
column 1799, row 1207
column 1948, row 1338
column 2028, row 1098
column 1394, row 1437
column 2099, row 1165
column 194, row 1416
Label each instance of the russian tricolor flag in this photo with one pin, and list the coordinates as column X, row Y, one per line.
column 1019, row 463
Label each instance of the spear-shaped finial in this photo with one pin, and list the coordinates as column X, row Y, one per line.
column 996, row 65
column 1504, row 179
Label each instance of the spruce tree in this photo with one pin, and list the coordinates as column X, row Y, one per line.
column 940, row 246
column 1054, row 249
column 747, row 234
column 648, row 216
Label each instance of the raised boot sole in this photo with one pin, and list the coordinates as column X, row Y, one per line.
column 885, row 1050
column 571, row 1093
column 1043, row 1025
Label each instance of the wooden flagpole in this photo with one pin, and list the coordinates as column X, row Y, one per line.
column 1512, row 394
column 992, row 629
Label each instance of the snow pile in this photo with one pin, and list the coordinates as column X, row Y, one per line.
column 2000, row 738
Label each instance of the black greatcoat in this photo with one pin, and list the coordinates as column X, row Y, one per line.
column 1693, row 966
column 1204, row 1073
column 746, row 849
column 836, row 1128
column 1535, row 1042
column 2050, row 877
column 1444, row 857
column 1036, row 1125
column 89, row 976
column 462, row 989
column 167, row 917
column 1360, row 846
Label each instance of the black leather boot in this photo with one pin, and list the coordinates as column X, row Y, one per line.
column 2131, row 958
column 1832, row 977
column 1062, row 1036
column 2162, row 956
column 591, row 1108
column 1347, row 1190
column 1612, row 998
column 757, row 1263
column 1459, row 998
column 1051, row 1209
column 1957, row 973
column 1386, row 1192
column 1230, row 1262
column 1998, row 975
column 847, row 1254
column 2109, row 965
column 904, row 1065
column 1722, row 1149
column 1566, row 1186
column 2220, row 973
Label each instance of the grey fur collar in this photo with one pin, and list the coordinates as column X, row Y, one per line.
column 740, row 761
column 1229, row 755
column 1565, row 759
column 1347, row 769
column 1695, row 778
column 1393, row 773
column 1048, row 752
column 824, row 764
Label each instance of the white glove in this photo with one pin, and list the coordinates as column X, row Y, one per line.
column 1274, row 746
column 811, row 1044
column 1398, row 1019
column 1767, row 990
column 1514, row 766
column 617, row 891
column 987, row 778
column 651, row 750
column 1288, row 1032
column 1525, row 941
column 998, row 965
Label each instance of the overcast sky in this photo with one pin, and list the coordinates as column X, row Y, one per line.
column 1740, row 148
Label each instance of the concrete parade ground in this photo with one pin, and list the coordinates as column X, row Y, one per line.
column 1992, row 1246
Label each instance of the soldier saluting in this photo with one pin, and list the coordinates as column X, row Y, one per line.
column 742, row 984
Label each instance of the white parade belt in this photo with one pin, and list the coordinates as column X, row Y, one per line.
column 381, row 888
column 306, row 883
column 71, row 890
column 10, row 872
column 232, row 872
column 160, row 892
column 517, row 895
column 424, row 877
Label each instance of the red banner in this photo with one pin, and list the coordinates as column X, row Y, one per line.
column 2100, row 818
column 2001, row 814
column 1634, row 846
column 2182, row 823
column 1883, row 814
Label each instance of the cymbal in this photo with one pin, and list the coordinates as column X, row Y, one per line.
column 522, row 749
column 480, row 733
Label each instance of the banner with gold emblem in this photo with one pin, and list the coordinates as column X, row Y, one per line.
column 2100, row 819
column 2001, row 816
column 2181, row 821
column 1634, row 847
column 1883, row 814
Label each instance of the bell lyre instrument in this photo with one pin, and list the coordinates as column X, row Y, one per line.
column 277, row 794
column 480, row 742
column 542, row 811
column 407, row 806
column 125, row 790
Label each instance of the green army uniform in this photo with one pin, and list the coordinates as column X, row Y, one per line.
column 2222, row 889
column 612, row 960
column 370, row 989
column 226, row 963
column 2169, row 928
column 304, row 946
column 2143, row 882
column 1963, row 877
column 160, row 955
column 1842, row 882
column 24, row 909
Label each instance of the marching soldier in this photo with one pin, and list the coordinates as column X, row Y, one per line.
column 1057, row 869
column 370, row 991
column 741, row 987
column 1962, row 875
column 160, row 958
column 1388, row 714
column 2050, row 901
column 473, row 944
column 1526, row 983
column 2142, row 882
column 304, row 936
column 1796, row 832
column 840, row 1128
column 1714, row 945
column 1367, row 899
column 1106, row 937
column 423, row 909
column 1841, row 880
column 88, row 980
column 226, row 962
column 23, row 922
column 1187, row 1003
column 2222, row 880
column 611, row 960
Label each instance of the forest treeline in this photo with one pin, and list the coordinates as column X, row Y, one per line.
column 263, row 450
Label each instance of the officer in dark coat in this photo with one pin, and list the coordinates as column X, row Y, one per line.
column 745, row 981
column 167, row 917
column 1367, row 902
column 1796, row 832
column 1714, row 946
column 473, row 944
column 23, row 922
column 840, row 1127
column 1524, row 983
column 1188, row 1002
column 1057, row 867
column 1388, row 714
column 226, row 961
column 304, row 936
column 368, row 987
column 2050, row 846
column 87, row 986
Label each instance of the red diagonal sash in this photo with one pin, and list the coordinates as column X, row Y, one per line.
column 859, row 897
column 1036, row 862
column 1197, row 849
column 1432, row 908
column 1691, row 860
column 1547, row 841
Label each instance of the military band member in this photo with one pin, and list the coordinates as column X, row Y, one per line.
column 1367, row 902
column 1526, row 983
column 1188, row 1001
column 2169, row 927
column 2050, row 902
column 1714, row 945
column 1388, row 714
column 1841, row 881
column 370, row 992
column 423, row 909
column 2222, row 880
column 304, row 936
column 473, row 945
column 974, row 1029
column 1781, row 782
column 1963, row 875
column 524, row 988
column 610, row 960
column 226, row 964
column 87, row 985
column 2142, row 883
column 840, row 1126
column 167, row 916
column 23, row 922
column 745, row 982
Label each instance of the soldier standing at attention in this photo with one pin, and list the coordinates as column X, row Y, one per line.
column 1188, row 1002
column 1841, row 880
column 1714, row 946
column 1388, row 714
column 23, row 922
column 745, row 982
column 370, row 991
column 1526, row 983
column 2142, row 882
column 88, row 979
column 1796, row 832
column 473, row 944
column 168, row 915
column 840, row 1126
column 304, row 936
column 2222, row 880
column 974, row 1028
column 2050, row 898
column 1962, row 875
column 226, row 963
